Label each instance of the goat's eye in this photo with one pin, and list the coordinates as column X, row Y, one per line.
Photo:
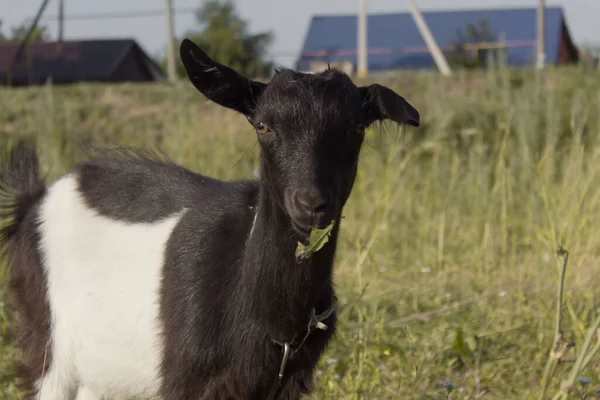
column 262, row 128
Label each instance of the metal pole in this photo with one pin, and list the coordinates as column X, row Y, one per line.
column 541, row 29
column 362, row 39
column 170, row 43
column 434, row 49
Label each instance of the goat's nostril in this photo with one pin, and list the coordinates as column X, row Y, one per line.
column 312, row 202
column 304, row 202
column 320, row 204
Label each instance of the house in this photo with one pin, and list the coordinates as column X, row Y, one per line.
column 394, row 40
column 106, row 60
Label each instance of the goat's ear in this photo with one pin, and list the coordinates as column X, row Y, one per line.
column 380, row 103
column 218, row 82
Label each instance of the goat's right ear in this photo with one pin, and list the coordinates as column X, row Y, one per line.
column 380, row 102
column 218, row 82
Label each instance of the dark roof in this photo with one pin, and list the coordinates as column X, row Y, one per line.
column 394, row 39
column 109, row 60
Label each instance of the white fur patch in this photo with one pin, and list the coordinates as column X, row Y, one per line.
column 103, row 284
column 85, row 394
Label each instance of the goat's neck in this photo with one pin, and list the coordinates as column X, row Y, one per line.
column 278, row 292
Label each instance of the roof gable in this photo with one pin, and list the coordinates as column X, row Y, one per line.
column 72, row 61
column 394, row 39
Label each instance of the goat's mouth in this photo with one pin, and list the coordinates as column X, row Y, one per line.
column 303, row 230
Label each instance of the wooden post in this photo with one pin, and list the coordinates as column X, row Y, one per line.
column 61, row 20
column 34, row 24
column 434, row 49
column 541, row 30
column 61, row 26
column 362, row 40
column 172, row 73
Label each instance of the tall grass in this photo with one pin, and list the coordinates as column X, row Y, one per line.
column 450, row 254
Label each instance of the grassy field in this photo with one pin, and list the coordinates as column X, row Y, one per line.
column 448, row 265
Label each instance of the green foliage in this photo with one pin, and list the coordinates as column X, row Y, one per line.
column 589, row 55
column 18, row 33
column 39, row 34
column 446, row 270
column 462, row 57
column 224, row 36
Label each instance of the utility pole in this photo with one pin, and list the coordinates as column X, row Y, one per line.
column 170, row 43
column 362, row 39
column 434, row 49
column 541, row 30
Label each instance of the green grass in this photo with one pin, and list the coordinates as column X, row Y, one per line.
column 447, row 266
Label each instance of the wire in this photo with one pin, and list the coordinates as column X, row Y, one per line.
column 144, row 14
column 119, row 14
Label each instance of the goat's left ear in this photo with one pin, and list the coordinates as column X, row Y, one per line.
column 380, row 102
column 218, row 82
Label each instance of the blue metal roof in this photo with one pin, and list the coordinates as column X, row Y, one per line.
column 394, row 40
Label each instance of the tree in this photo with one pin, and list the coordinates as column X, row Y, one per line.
column 17, row 33
column 39, row 34
column 475, row 33
column 589, row 55
column 224, row 37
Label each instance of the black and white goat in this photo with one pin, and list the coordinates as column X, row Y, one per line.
column 133, row 277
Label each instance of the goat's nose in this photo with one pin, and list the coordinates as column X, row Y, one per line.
column 311, row 201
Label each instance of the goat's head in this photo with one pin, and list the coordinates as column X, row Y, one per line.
column 310, row 128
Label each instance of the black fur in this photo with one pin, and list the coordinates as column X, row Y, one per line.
column 21, row 188
column 231, row 291
column 136, row 185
